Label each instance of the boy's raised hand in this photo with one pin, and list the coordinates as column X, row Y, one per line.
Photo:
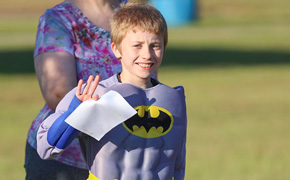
column 89, row 89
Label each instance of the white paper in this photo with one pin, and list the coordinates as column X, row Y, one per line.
column 96, row 118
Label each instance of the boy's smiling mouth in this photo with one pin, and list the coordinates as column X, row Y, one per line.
column 145, row 65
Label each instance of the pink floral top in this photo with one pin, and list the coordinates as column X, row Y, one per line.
column 65, row 29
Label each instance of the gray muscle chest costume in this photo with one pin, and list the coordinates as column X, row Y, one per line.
column 148, row 146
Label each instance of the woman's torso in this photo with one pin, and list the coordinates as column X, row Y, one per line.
column 65, row 29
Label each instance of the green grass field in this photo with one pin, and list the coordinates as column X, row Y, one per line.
column 234, row 62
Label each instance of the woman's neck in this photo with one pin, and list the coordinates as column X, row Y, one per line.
column 97, row 11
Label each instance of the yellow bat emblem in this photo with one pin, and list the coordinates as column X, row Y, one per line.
column 149, row 122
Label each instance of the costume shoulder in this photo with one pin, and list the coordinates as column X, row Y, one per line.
column 159, row 95
column 175, row 96
column 180, row 90
column 177, row 90
column 106, row 85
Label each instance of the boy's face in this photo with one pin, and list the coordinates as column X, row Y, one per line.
column 141, row 54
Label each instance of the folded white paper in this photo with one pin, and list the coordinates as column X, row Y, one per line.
column 96, row 118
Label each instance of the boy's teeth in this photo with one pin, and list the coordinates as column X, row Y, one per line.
column 145, row 65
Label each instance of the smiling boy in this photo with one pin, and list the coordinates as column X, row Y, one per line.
column 141, row 54
column 146, row 146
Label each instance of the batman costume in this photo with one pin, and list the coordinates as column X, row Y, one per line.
column 150, row 145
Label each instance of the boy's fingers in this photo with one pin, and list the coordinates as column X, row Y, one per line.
column 97, row 79
column 94, row 85
column 89, row 88
column 88, row 84
column 79, row 87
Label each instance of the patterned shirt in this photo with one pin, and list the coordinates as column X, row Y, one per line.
column 64, row 28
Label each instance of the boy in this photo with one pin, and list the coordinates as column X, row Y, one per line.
column 148, row 145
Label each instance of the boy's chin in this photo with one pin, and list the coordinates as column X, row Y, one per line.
column 146, row 76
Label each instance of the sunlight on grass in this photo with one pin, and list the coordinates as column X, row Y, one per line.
column 14, row 41
column 20, row 102
column 237, row 121
column 246, row 37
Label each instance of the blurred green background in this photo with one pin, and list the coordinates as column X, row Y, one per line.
column 234, row 62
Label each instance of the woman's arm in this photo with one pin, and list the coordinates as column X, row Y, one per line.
column 56, row 73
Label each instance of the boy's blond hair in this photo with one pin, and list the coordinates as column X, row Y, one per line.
column 137, row 16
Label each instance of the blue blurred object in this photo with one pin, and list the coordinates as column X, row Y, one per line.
column 175, row 12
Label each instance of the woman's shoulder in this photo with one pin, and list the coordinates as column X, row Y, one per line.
column 62, row 7
column 62, row 11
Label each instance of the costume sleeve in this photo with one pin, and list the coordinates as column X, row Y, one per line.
column 54, row 134
column 179, row 173
column 54, row 34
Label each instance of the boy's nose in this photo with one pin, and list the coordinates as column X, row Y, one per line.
column 146, row 53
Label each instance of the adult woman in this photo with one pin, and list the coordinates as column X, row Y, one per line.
column 73, row 42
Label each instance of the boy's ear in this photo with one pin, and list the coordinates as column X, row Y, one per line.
column 116, row 50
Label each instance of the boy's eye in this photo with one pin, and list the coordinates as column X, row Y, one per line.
column 156, row 46
column 137, row 45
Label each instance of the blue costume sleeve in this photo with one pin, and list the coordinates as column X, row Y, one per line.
column 61, row 134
